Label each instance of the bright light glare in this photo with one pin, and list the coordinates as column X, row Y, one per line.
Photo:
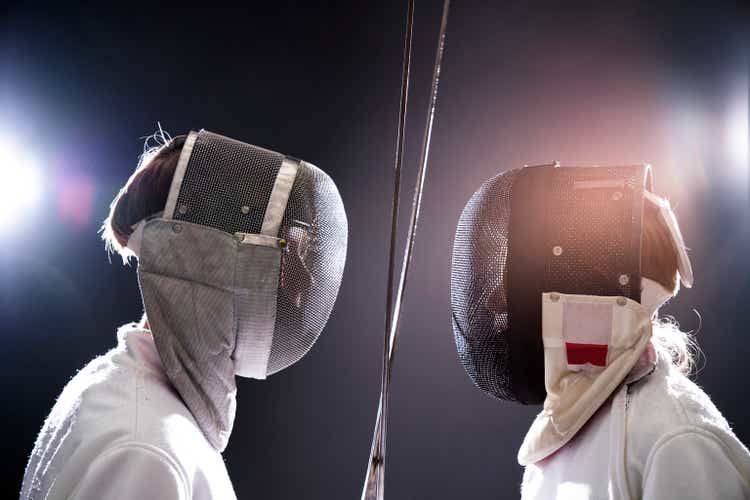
column 737, row 135
column 20, row 184
column 736, row 129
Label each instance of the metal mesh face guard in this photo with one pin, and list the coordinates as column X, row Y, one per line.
column 529, row 231
column 225, row 184
column 315, row 228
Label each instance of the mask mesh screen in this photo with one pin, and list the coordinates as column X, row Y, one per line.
column 312, row 264
column 223, row 177
column 478, row 286
column 596, row 230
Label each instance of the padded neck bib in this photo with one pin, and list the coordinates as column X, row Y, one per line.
column 591, row 344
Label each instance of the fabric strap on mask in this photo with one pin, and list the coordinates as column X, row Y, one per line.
column 261, row 270
column 667, row 215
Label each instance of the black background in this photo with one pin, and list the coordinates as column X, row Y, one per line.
column 522, row 83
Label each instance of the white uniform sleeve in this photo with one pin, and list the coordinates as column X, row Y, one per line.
column 692, row 464
column 132, row 471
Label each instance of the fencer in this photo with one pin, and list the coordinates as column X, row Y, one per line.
column 240, row 255
column 557, row 277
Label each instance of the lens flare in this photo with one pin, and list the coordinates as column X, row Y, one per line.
column 737, row 133
column 20, row 184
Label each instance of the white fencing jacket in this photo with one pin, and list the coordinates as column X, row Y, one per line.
column 119, row 430
column 658, row 437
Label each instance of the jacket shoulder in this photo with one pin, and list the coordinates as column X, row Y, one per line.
column 667, row 409
column 140, row 470
column 119, row 403
column 668, row 399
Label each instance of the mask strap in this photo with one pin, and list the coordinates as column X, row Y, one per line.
column 258, row 270
column 667, row 215
column 282, row 188
column 179, row 175
column 653, row 295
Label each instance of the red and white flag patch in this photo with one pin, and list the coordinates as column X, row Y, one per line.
column 587, row 332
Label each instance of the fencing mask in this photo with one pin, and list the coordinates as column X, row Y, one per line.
column 546, row 290
column 240, row 272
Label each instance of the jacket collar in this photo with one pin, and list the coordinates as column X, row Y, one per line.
column 645, row 365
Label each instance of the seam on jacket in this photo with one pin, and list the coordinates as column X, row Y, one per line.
column 128, row 349
column 137, row 402
column 699, row 431
column 186, row 486
column 619, row 430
